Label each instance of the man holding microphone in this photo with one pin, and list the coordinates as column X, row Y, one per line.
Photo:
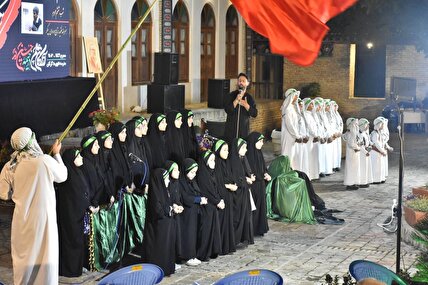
column 239, row 106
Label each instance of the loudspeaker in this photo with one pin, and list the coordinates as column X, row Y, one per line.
column 218, row 89
column 166, row 68
column 163, row 98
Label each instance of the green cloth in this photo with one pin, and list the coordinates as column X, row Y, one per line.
column 105, row 223
column 287, row 198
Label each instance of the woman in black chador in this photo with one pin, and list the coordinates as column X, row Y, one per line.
column 135, row 128
column 119, row 162
column 192, row 202
column 191, row 148
column 159, row 232
column 226, row 186
column 258, row 188
column 209, row 238
column 175, row 191
column 144, row 141
column 174, row 137
column 72, row 202
column 156, row 136
column 105, row 141
column 92, row 171
column 241, row 172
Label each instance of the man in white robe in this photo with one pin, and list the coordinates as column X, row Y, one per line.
column 290, row 126
column 352, row 162
column 28, row 180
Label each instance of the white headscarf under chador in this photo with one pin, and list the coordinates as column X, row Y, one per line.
column 24, row 142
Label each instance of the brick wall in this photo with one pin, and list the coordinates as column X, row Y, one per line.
column 268, row 118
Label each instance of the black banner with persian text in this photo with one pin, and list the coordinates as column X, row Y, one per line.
column 34, row 39
column 166, row 25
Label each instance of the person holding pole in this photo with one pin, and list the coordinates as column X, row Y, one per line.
column 239, row 106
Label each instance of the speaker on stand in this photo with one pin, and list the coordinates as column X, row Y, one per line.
column 166, row 68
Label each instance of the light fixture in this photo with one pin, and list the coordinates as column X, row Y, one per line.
column 369, row 45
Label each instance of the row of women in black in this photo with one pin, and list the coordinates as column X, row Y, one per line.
column 188, row 218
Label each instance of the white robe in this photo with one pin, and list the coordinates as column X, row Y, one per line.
column 352, row 162
column 312, row 147
column 328, row 147
column 366, row 175
column 34, row 237
column 378, row 162
column 385, row 137
column 321, row 146
column 289, row 131
column 301, row 148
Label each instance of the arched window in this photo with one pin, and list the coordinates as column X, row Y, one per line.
column 180, row 39
column 106, row 33
column 141, row 50
column 207, row 49
column 232, row 33
column 75, row 46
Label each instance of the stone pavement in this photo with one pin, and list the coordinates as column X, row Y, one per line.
column 301, row 253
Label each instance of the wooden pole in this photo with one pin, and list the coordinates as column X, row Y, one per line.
column 103, row 105
column 101, row 80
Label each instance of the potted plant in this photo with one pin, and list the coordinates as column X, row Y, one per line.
column 420, row 191
column 103, row 118
column 415, row 209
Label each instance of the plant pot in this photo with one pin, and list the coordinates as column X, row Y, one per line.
column 276, row 141
column 421, row 191
column 412, row 217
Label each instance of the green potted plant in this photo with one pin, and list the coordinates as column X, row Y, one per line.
column 415, row 209
column 103, row 118
column 420, row 191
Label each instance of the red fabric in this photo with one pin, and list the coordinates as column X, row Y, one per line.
column 327, row 9
column 9, row 17
column 292, row 29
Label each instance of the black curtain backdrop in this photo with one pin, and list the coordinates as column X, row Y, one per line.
column 45, row 106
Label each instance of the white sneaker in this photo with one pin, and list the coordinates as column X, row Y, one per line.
column 193, row 262
column 177, row 266
column 197, row 260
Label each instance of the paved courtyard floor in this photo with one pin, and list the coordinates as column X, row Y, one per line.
column 304, row 254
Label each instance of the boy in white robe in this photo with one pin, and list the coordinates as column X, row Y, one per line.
column 290, row 126
column 338, row 141
column 316, row 112
column 366, row 177
column 301, row 147
column 328, row 153
column 378, row 152
column 385, row 135
column 28, row 180
column 312, row 146
column 352, row 162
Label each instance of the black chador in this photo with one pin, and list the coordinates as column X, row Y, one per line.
column 144, row 141
column 159, row 232
column 209, row 238
column 137, row 155
column 244, row 116
column 242, row 220
column 174, row 137
column 119, row 157
column 175, row 191
column 191, row 148
column 72, row 202
column 225, row 186
column 192, row 203
column 91, row 168
column 105, row 142
column 156, row 136
column 258, row 188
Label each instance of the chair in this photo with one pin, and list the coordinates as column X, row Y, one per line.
column 137, row 274
column 361, row 269
column 252, row 277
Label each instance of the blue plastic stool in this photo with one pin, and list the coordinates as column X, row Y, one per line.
column 252, row 277
column 361, row 269
column 137, row 274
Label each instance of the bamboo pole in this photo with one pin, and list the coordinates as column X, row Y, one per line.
column 101, row 97
column 101, row 80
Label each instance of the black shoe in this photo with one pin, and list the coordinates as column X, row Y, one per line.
column 364, row 186
column 242, row 245
column 383, row 181
column 376, row 183
column 322, row 175
column 353, row 187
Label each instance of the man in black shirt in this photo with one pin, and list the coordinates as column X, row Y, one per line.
column 239, row 106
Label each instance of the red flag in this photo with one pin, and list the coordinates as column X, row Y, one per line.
column 327, row 9
column 293, row 31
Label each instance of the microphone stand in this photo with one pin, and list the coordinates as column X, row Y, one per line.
column 239, row 113
column 400, row 188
